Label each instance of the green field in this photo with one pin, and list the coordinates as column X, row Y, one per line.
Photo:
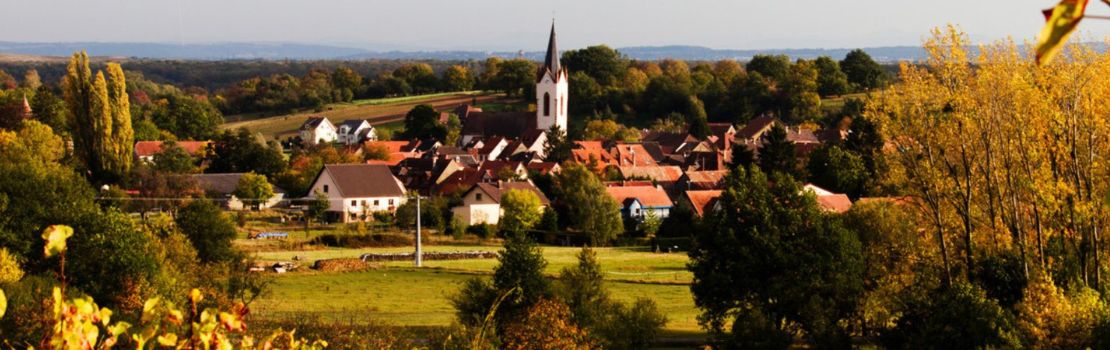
column 376, row 111
column 398, row 293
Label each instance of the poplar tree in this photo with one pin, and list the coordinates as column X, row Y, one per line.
column 100, row 117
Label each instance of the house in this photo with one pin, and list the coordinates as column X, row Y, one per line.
column 631, row 154
column 353, row 132
column 492, row 148
column 317, row 130
column 829, row 201
column 145, row 150
column 638, row 200
column 665, row 175
column 702, row 180
column 424, row 174
column 722, row 135
column 586, row 152
column 397, row 150
column 482, row 203
column 355, row 191
column 222, row 187
column 703, row 201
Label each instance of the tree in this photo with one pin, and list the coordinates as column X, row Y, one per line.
column 318, row 207
column 777, row 154
column 773, row 67
column 559, row 146
column 33, row 146
column 796, row 95
column 31, row 79
column 517, row 77
column 520, row 266
column 587, row 205
column 47, row 108
column 422, row 122
column 582, row 288
column 521, row 210
column 771, row 261
column 546, row 325
column 602, row 63
column 101, row 118
column 956, row 317
column 831, row 81
column 375, row 151
column 253, row 188
column 187, row 117
column 862, row 72
column 209, row 230
column 833, row 168
column 457, row 78
column 454, row 130
column 240, row 152
column 174, row 159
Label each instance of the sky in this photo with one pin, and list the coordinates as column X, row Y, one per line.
column 415, row 25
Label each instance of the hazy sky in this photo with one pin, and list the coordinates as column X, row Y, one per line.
column 523, row 24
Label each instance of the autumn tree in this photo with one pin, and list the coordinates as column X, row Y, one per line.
column 100, row 117
column 588, row 207
column 521, row 210
column 253, row 189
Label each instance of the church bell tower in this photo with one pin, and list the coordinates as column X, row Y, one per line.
column 551, row 89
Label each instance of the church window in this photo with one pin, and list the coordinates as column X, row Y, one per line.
column 546, row 104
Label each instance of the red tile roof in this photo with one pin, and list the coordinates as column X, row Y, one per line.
column 836, row 203
column 150, row 148
column 703, row 201
column 632, row 154
column 657, row 173
column 706, row 179
column 649, row 196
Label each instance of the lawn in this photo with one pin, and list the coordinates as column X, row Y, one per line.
column 398, row 293
column 410, row 297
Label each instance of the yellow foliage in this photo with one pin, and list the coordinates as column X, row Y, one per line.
column 547, row 325
column 10, row 270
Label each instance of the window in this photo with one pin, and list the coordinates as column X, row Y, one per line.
column 364, row 203
column 376, row 202
column 353, row 203
column 478, row 196
column 391, row 202
column 559, row 102
column 325, row 188
column 546, row 104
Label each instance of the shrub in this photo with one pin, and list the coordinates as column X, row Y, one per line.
column 362, row 241
column 545, row 325
column 632, row 327
column 956, row 317
column 10, row 270
column 209, row 230
column 483, row 231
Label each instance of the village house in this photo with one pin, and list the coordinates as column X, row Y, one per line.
column 482, row 203
column 702, row 180
column 222, row 188
column 638, row 200
column 317, row 130
column 356, row 191
column 353, row 132
column 145, row 150
column 703, row 201
column 829, row 201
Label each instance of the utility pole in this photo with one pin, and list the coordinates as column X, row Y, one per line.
column 419, row 252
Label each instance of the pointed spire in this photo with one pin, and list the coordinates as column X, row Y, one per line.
column 26, row 106
column 551, row 60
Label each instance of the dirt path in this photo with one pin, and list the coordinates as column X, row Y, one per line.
column 287, row 125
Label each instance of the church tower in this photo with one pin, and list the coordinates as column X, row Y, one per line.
column 551, row 89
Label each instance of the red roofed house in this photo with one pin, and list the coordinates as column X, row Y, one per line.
column 592, row 151
column 398, row 151
column 482, row 203
column 703, row 201
column 145, row 150
column 702, row 180
column 637, row 201
column 355, row 191
column 830, row 202
column 665, row 175
column 631, row 154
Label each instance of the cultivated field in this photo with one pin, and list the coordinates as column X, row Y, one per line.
column 377, row 111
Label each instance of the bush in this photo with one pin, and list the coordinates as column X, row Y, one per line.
column 956, row 317
column 209, row 230
column 483, row 231
column 10, row 270
column 362, row 241
column 545, row 325
column 632, row 327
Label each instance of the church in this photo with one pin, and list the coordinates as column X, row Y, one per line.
column 527, row 127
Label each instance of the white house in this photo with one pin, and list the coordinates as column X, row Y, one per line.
column 317, row 130
column 353, row 132
column 356, row 191
column 482, row 203
column 637, row 200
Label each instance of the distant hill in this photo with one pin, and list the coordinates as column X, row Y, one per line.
column 10, row 51
column 282, row 51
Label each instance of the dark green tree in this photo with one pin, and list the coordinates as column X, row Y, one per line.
column 838, row 170
column 517, row 77
column 174, row 159
column 600, row 62
column 241, row 152
column 777, row 153
column 422, row 122
column 770, row 262
column 831, row 81
column 559, row 146
column 188, row 117
column 317, row 209
column 582, row 288
column 209, row 230
column 774, row 67
column 863, row 72
column 588, row 207
column 957, row 317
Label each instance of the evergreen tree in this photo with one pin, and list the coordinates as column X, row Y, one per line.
column 520, row 267
column 582, row 288
column 558, row 148
column 863, row 72
column 777, row 153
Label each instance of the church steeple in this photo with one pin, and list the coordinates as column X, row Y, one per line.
column 551, row 89
column 551, row 66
